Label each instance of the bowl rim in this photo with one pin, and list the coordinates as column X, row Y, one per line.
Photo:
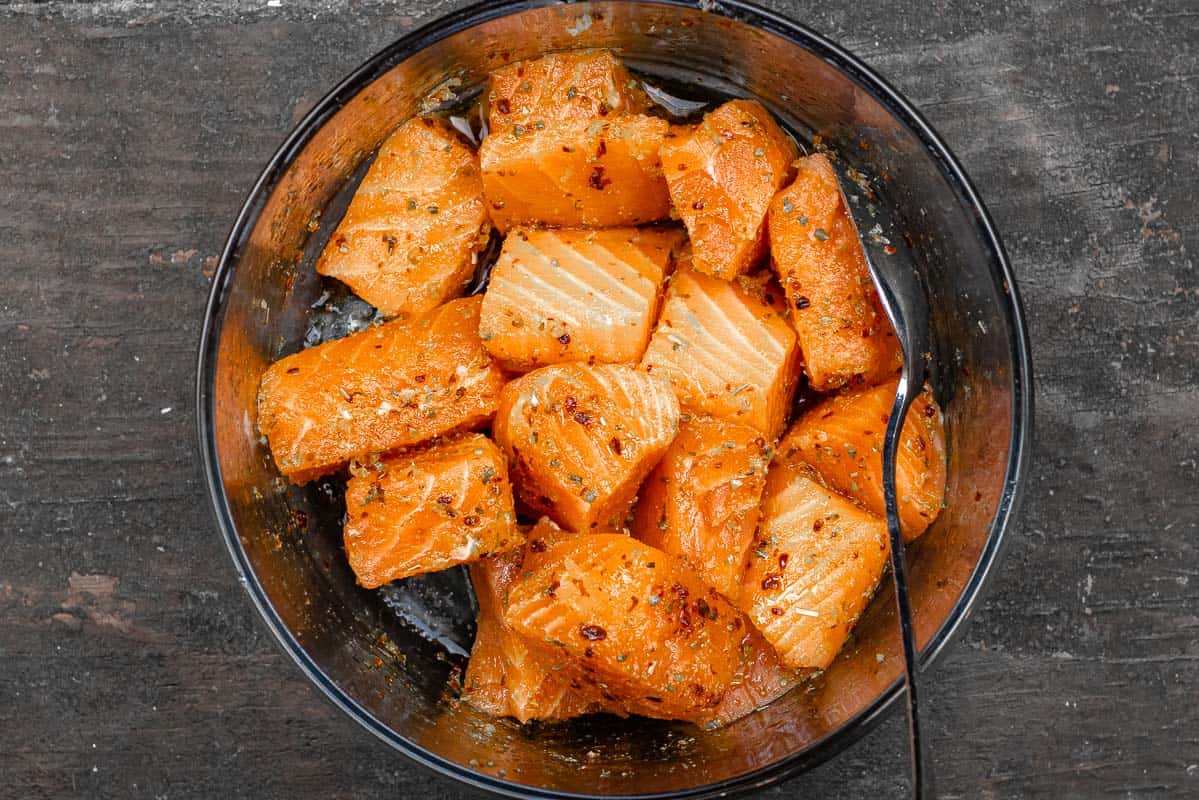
column 864, row 77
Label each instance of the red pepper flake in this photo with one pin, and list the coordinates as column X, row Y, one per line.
column 930, row 411
column 504, row 106
column 778, row 612
column 771, row 582
column 570, row 404
column 419, row 378
column 538, row 546
column 445, row 499
column 616, row 446
column 470, row 520
column 889, row 249
column 802, row 302
column 783, row 559
column 597, row 180
column 293, row 371
column 818, row 524
column 593, row 633
column 583, row 418
column 601, row 149
column 564, row 338
column 698, row 205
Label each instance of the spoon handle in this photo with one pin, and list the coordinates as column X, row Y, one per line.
column 904, row 395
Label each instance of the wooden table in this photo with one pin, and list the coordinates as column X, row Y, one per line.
column 131, row 662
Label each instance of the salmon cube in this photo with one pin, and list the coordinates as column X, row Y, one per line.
column 762, row 679
column 845, row 335
column 484, row 683
column 576, row 174
column 575, row 295
column 726, row 349
column 842, row 437
column 572, row 85
column 722, row 175
column 428, row 510
column 640, row 620
column 511, row 675
column 389, row 386
column 815, row 565
column 701, row 501
column 410, row 239
column 582, row 438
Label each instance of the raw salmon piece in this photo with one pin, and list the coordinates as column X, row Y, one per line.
column 575, row 295
column 411, row 236
column 390, row 386
column 816, row 562
column 701, row 501
column 842, row 437
column 726, row 349
column 844, row 333
column 576, row 174
column 722, row 175
column 762, row 679
column 580, row 439
column 572, row 85
column 483, row 686
column 509, row 674
column 429, row 510
column 640, row 621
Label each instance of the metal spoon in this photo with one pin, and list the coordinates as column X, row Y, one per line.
column 901, row 291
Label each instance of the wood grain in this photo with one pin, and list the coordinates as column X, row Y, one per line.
column 131, row 662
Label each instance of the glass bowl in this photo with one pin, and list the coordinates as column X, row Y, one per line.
column 386, row 657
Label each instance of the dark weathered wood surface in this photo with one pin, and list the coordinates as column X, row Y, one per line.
column 131, row 662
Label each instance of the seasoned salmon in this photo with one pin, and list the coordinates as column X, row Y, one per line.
column 575, row 295
column 639, row 620
column 842, row 437
column 722, row 175
column 572, row 85
column 845, row 335
column 726, row 349
column 576, row 174
column 389, row 386
column 484, row 683
column 816, row 562
column 428, row 510
column 581, row 439
column 411, row 236
column 510, row 675
column 761, row 680
column 701, row 501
